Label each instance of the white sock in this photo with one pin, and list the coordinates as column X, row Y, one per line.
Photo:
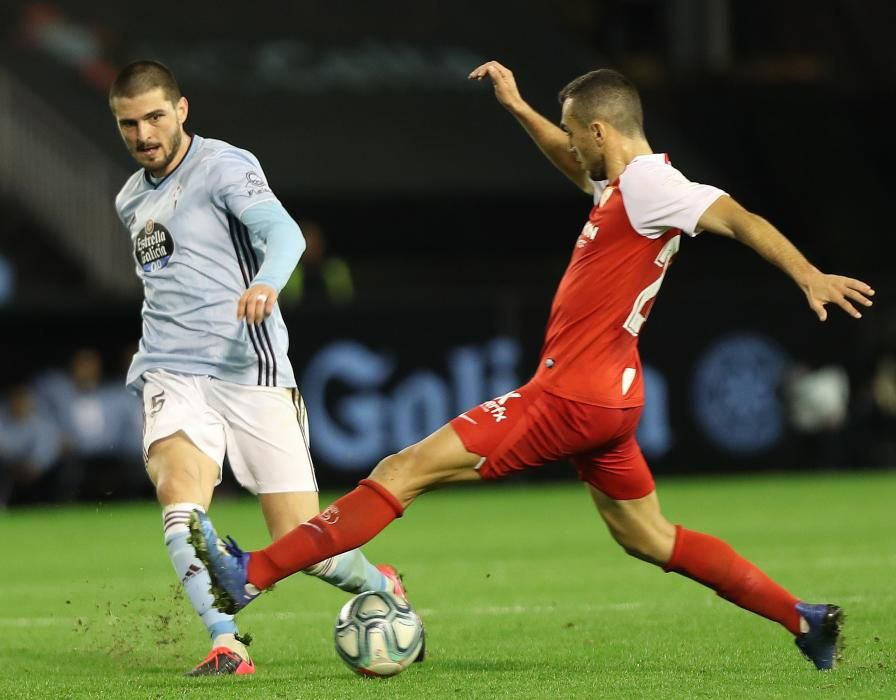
column 191, row 572
column 351, row 572
column 231, row 642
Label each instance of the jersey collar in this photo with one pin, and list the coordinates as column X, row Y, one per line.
column 659, row 157
column 650, row 157
column 194, row 146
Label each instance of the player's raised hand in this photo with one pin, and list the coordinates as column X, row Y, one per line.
column 257, row 303
column 506, row 91
column 821, row 289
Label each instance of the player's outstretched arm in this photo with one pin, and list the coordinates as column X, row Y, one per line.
column 728, row 218
column 549, row 137
column 271, row 223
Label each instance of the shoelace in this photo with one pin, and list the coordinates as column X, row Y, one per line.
column 232, row 547
column 234, row 550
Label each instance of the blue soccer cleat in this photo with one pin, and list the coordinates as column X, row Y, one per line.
column 227, row 565
column 821, row 644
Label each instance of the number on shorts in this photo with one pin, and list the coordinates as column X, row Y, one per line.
column 158, row 401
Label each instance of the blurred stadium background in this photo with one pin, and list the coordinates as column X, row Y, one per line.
column 439, row 231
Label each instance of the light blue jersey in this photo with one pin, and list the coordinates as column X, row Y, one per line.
column 196, row 256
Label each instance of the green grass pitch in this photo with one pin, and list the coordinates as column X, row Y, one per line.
column 523, row 593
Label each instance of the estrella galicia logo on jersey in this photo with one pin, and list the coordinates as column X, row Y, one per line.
column 153, row 246
column 255, row 184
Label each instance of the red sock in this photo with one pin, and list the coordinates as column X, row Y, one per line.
column 715, row 564
column 348, row 523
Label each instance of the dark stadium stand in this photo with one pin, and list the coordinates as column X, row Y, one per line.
column 44, row 275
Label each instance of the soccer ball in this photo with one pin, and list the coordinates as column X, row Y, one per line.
column 378, row 634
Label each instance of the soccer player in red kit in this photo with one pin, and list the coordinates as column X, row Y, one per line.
column 585, row 399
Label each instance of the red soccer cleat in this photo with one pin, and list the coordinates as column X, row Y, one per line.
column 222, row 661
column 391, row 573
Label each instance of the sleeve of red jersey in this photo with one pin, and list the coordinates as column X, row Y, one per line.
column 658, row 198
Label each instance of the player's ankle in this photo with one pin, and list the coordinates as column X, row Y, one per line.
column 262, row 571
column 229, row 641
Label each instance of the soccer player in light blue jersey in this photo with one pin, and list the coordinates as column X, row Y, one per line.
column 213, row 246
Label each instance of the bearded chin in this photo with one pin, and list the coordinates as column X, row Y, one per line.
column 173, row 150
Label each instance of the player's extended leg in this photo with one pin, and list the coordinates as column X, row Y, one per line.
column 349, row 571
column 268, row 442
column 184, row 478
column 640, row 528
column 361, row 514
column 346, row 524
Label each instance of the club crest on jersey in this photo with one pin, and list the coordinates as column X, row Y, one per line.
column 175, row 195
column 330, row 515
column 497, row 407
column 588, row 233
column 255, row 184
column 153, row 246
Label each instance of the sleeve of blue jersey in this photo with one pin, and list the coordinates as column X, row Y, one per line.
column 284, row 244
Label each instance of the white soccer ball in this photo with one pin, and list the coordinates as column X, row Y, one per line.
column 378, row 634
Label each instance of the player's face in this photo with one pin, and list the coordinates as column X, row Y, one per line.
column 583, row 143
column 152, row 128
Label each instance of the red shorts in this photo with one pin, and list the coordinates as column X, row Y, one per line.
column 527, row 427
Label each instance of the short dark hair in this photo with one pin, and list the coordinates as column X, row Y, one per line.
column 606, row 94
column 142, row 76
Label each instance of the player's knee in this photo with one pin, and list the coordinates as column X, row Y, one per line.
column 169, row 489
column 176, row 483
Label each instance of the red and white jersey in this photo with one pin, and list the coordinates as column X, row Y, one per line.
column 590, row 352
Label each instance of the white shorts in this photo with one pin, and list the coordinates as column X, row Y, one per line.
column 262, row 430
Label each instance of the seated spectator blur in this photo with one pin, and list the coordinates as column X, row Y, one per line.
column 875, row 432
column 817, row 403
column 31, row 452
column 318, row 276
column 883, row 392
column 99, row 423
column 655, row 429
column 7, row 281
